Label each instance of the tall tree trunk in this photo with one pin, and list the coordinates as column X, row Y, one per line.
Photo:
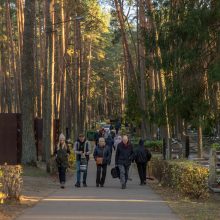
column 28, row 141
column 87, row 106
column 131, row 69
column 48, row 105
column 20, row 26
column 160, row 72
column 142, row 63
column 12, row 60
column 63, row 70
column 77, row 55
column 122, row 88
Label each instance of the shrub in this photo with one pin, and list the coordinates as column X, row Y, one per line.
column 216, row 146
column 187, row 177
column 11, row 181
column 154, row 145
column 72, row 159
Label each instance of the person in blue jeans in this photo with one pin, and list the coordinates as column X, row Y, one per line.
column 82, row 150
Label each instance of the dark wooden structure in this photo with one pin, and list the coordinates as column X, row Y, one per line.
column 38, row 130
column 11, row 138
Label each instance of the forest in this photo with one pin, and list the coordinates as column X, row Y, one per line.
column 154, row 63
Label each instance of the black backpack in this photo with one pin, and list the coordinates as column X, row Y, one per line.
column 142, row 156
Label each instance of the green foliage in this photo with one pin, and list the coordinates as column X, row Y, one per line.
column 215, row 146
column 155, row 146
column 191, row 65
column 72, row 159
column 214, row 71
column 133, row 111
column 188, row 178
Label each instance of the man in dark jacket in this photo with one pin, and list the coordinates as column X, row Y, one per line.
column 124, row 156
column 110, row 143
column 142, row 156
column 117, row 126
column 82, row 150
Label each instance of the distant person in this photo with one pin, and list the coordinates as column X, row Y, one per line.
column 62, row 152
column 117, row 140
column 99, row 134
column 142, row 156
column 112, row 134
column 110, row 144
column 82, row 150
column 126, row 125
column 158, row 133
column 102, row 156
column 117, row 126
column 96, row 137
column 111, row 127
column 106, row 134
column 123, row 158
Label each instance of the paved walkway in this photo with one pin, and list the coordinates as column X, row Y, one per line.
column 108, row 203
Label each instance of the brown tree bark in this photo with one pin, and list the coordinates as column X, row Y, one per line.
column 27, row 67
column 160, row 73
column 62, row 102
column 20, row 26
column 87, row 106
column 131, row 69
column 48, row 104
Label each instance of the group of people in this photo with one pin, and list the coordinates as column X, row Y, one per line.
column 124, row 156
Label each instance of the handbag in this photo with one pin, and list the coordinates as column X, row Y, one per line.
column 99, row 160
column 83, row 165
column 115, row 172
column 83, row 162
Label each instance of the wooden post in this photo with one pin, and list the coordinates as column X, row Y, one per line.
column 164, row 149
column 212, row 167
column 187, row 146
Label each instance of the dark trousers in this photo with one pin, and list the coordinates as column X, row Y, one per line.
column 101, row 174
column 62, row 174
column 142, row 167
column 117, row 130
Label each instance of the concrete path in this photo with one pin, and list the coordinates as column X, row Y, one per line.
column 108, row 203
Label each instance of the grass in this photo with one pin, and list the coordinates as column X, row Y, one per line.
column 188, row 209
column 34, row 172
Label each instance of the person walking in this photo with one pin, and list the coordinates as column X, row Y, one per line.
column 142, row 156
column 102, row 156
column 99, row 134
column 117, row 126
column 110, row 143
column 117, row 140
column 82, row 150
column 123, row 158
column 61, row 153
